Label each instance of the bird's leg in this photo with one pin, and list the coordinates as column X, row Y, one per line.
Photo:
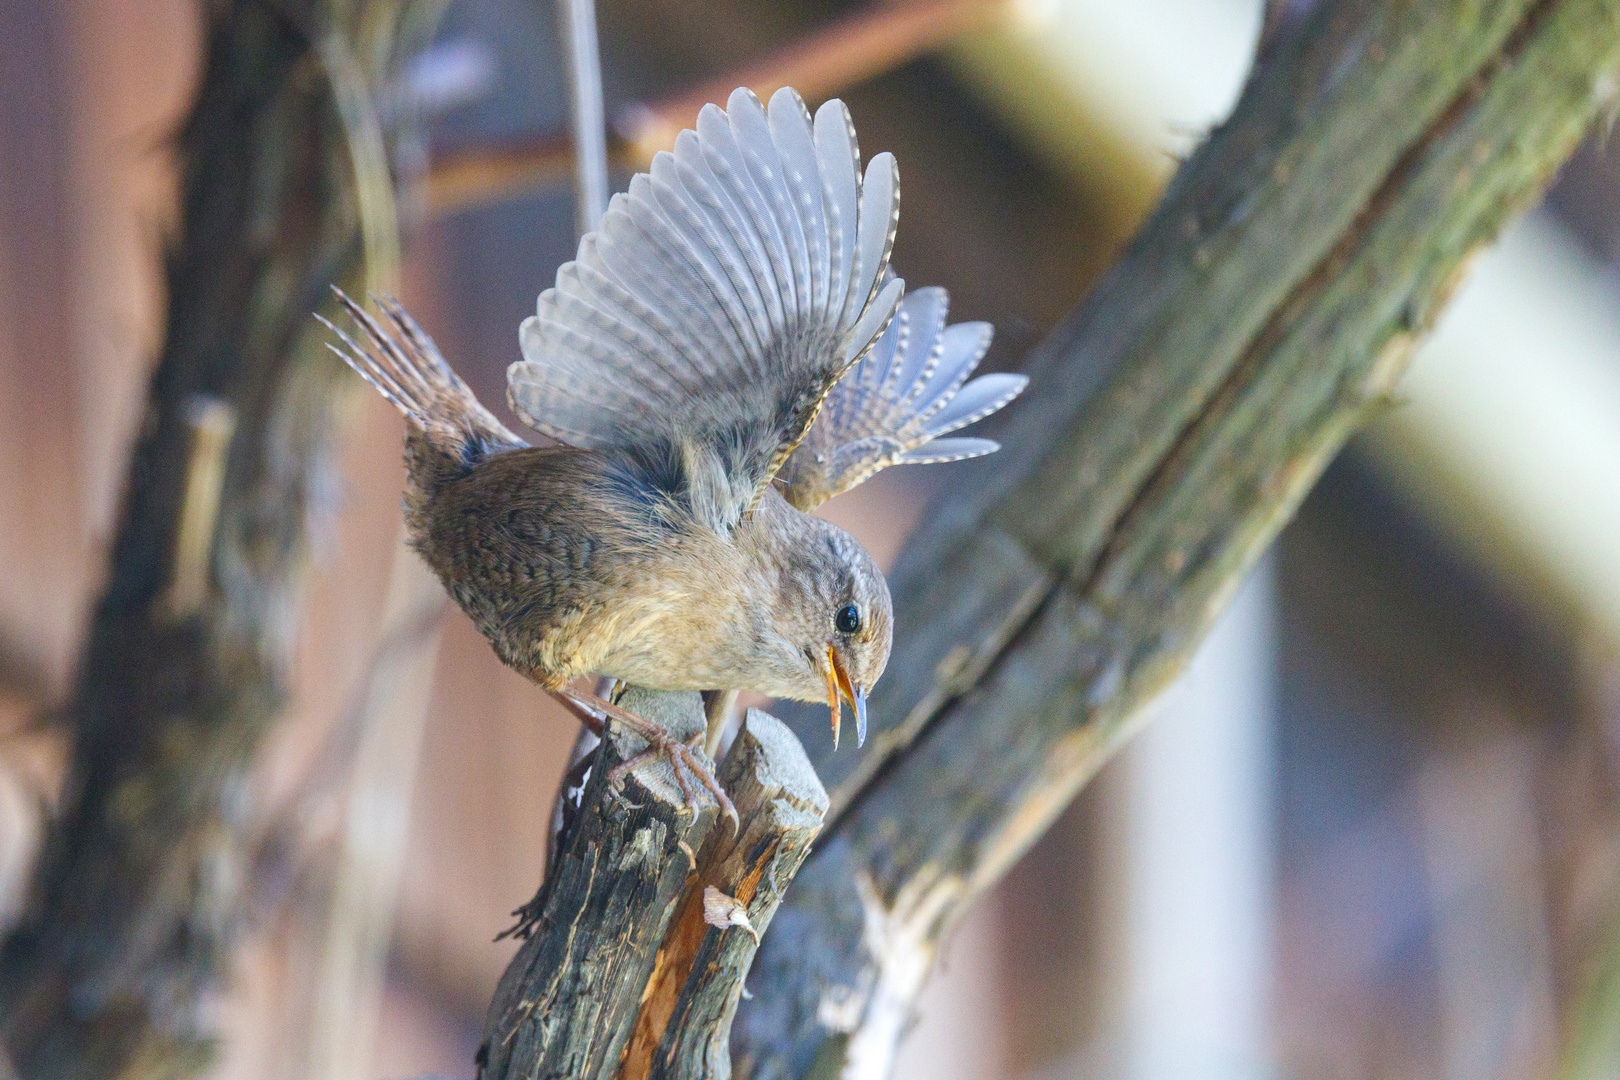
column 660, row 744
column 593, row 723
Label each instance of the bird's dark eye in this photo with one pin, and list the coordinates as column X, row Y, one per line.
column 848, row 619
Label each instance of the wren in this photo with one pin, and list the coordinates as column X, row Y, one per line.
column 729, row 349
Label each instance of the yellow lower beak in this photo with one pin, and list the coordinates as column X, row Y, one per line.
column 838, row 683
column 834, row 670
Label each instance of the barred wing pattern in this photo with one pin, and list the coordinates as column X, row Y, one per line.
column 722, row 297
column 895, row 406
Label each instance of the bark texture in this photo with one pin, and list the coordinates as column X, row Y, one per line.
column 621, row 975
column 684, row 1032
column 568, row 1000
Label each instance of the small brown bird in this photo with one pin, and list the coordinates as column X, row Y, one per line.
column 729, row 350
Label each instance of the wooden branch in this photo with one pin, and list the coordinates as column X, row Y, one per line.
column 637, row 943
column 685, row 1025
column 1171, row 427
column 137, row 902
column 568, row 1000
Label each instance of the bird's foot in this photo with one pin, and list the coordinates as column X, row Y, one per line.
column 682, row 756
column 683, row 759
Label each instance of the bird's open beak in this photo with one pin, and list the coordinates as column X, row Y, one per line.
column 838, row 683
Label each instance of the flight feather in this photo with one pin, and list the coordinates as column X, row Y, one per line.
column 720, row 300
column 899, row 403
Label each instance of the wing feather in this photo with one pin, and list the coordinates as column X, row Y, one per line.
column 730, row 170
column 669, row 223
column 917, row 354
column 689, row 201
column 975, row 401
column 663, row 245
column 733, row 232
column 752, row 130
column 879, row 219
column 801, row 177
column 896, row 403
column 957, row 351
column 838, row 157
column 938, row 451
column 720, row 300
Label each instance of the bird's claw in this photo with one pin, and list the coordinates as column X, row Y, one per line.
column 682, row 755
column 683, row 760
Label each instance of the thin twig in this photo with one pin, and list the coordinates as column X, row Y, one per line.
column 819, row 65
column 577, row 19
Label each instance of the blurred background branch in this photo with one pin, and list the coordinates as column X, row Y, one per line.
column 137, row 901
column 819, row 65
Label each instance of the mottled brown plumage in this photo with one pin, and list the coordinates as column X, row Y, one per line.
column 571, row 567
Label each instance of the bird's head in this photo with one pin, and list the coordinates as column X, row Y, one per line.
column 837, row 613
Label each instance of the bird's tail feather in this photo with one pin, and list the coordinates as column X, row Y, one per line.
column 402, row 362
column 447, row 430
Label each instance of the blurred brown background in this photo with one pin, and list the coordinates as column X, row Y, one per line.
column 1374, row 833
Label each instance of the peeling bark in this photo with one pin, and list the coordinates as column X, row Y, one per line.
column 684, row 1032
column 568, row 1000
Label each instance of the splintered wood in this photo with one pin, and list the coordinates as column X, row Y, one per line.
column 685, row 1025
column 638, row 944
column 567, row 1002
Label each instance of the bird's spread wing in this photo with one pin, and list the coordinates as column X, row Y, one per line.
column 720, row 299
column 895, row 405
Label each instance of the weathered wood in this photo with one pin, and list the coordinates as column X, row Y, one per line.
column 568, row 1000
column 136, row 901
column 685, row 1023
column 1171, row 427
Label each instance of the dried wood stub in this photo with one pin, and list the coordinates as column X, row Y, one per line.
column 685, row 1023
column 567, row 1002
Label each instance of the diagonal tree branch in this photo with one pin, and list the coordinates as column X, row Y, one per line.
column 1172, row 425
